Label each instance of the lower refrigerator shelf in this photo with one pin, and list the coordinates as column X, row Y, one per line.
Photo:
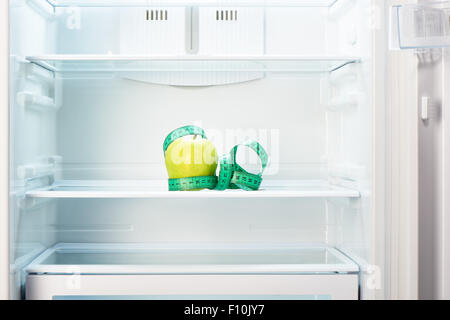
column 70, row 258
column 191, row 272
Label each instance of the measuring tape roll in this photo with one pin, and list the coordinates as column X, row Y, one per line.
column 243, row 179
column 190, row 183
column 233, row 176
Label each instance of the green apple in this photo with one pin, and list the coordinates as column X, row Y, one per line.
column 191, row 156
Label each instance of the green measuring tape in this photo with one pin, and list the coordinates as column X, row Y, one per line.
column 182, row 132
column 192, row 183
column 225, row 172
column 243, row 179
column 231, row 175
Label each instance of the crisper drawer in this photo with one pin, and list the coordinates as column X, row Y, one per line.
column 187, row 271
column 193, row 287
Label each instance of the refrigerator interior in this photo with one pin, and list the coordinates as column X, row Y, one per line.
column 95, row 87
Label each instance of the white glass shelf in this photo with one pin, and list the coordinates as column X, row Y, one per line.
column 185, row 258
column 181, row 3
column 192, row 63
column 423, row 25
column 159, row 190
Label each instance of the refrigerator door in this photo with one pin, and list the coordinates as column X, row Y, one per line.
column 434, row 137
column 420, row 32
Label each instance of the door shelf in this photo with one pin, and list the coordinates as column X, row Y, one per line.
column 190, row 63
column 416, row 26
column 198, row 3
column 159, row 190
column 241, row 258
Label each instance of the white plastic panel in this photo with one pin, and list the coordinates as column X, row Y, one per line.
column 156, row 31
column 200, row 31
column 104, row 27
column 421, row 26
column 231, row 31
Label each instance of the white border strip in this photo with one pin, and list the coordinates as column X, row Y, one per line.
column 4, row 150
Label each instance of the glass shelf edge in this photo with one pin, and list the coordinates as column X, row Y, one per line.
column 200, row 3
